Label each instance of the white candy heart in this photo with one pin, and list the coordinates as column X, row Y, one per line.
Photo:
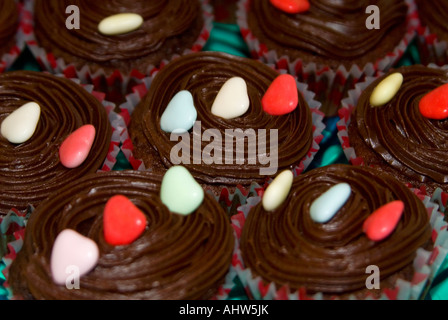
column 72, row 251
column 20, row 125
column 277, row 191
column 232, row 100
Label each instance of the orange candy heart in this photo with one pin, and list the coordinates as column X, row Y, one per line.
column 382, row 222
column 282, row 96
column 434, row 105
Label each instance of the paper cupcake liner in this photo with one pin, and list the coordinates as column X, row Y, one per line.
column 23, row 35
column 348, row 105
column 431, row 49
column 226, row 195
column 426, row 263
column 116, row 83
column 329, row 85
column 12, row 230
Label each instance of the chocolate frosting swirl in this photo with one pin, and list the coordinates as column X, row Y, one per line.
column 30, row 171
column 169, row 27
column 331, row 29
column 433, row 14
column 399, row 134
column 9, row 21
column 177, row 257
column 204, row 74
column 287, row 247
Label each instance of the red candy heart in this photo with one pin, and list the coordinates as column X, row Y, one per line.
column 434, row 105
column 291, row 6
column 123, row 222
column 381, row 223
column 282, row 96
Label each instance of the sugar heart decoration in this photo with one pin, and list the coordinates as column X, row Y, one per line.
column 180, row 114
column 72, row 249
column 291, row 6
column 20, row 125
column 75, row 149
column 434, row 105
column 123, row 222
column 383, row 221
column 232, row 100
column 282, row 96
column 180, row 192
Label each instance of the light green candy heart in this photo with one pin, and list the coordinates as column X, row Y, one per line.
column 180, row 192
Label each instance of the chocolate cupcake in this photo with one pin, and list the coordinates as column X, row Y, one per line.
column 433, row 32
column 287, row 253
column 268, row 142
column 331, row 45
column 396, row 137
column 163, row 29
column 31, row 170
column 176, row 257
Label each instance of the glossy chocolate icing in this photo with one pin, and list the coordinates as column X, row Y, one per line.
column 203, row 74
column 9, row 20
column 287, row 247
column 170, row 26
column 331, row 30
column 397, row 137
column 177, row 257
column 30, row 171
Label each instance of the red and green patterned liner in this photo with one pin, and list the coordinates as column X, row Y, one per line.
column 431, row 48
column 348, row 105
column 117, row 82
column 23, row 35
column 426, row 263
column 329, row 85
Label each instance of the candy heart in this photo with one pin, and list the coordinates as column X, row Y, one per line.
column 380, row 224
column 180, row 114
column 282, row 96
column 20, row 125
column 71, row 249
column 291, row 6
column 180, row 192
column 277, row 191
column 76, row 147
column 386, row 89
column 232, row 100
column 434, row 105
column 324, row 208
column 120, row 23
column 123, row 222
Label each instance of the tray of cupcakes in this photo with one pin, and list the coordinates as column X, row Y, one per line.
column 223, row 150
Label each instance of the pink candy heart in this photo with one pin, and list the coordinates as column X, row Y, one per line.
column 76, row 147
column 291, row 6
column 72, row 251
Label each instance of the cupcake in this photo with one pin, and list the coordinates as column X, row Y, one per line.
column 174, row 256
column 90, row 41
column 317, row 244
column 332, row 44
column 397, row 136
column 31, row 164
column 433, row 33
column 218, row 150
